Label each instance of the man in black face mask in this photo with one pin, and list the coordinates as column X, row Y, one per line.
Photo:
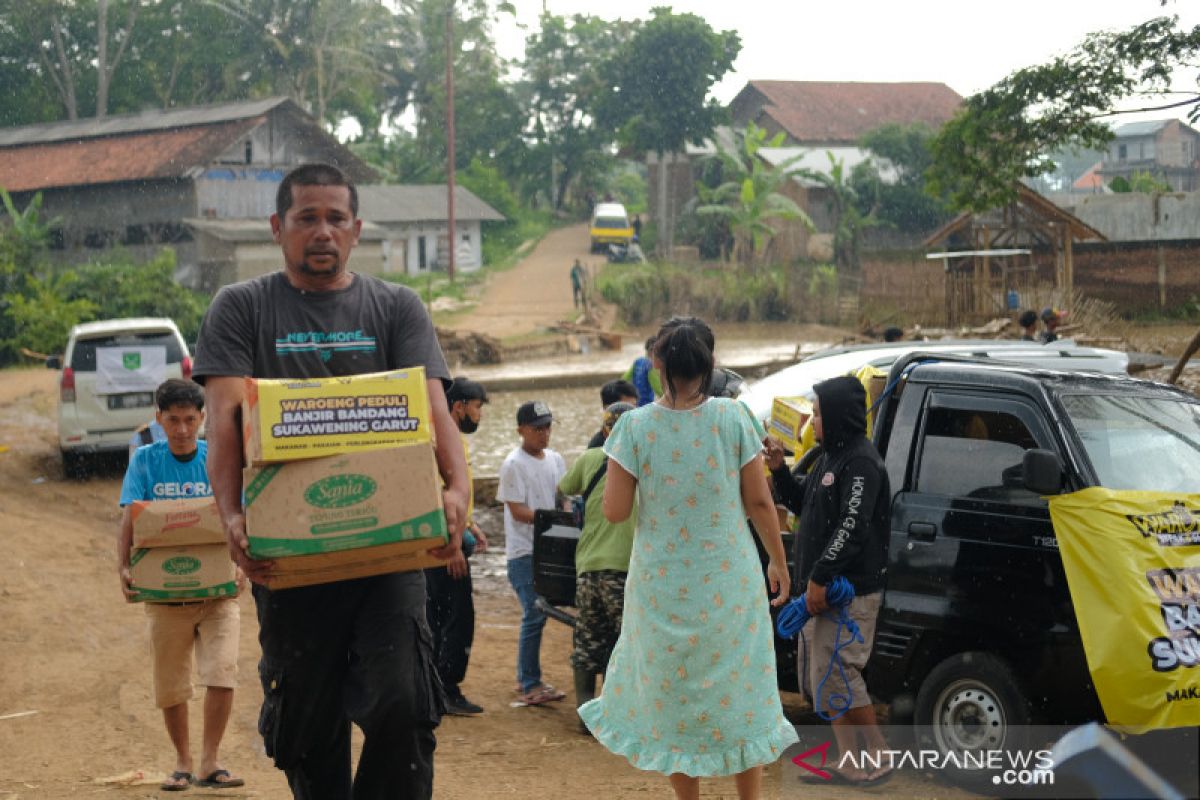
column 449, row 605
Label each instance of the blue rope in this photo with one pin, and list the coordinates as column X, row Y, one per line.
column 793, row 616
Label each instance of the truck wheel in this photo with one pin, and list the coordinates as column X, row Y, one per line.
column 971, row 702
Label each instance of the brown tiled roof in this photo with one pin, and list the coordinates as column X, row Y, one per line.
column 833, row 111
column 126, row 157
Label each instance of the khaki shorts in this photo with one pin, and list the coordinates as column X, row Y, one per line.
column 212, row 628
column 818, row 643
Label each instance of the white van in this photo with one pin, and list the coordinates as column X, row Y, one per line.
column 610, row 225
column 109, row 373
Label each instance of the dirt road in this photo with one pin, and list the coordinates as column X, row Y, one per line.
column 536, row 292
column 76, row 655
column 75, row 687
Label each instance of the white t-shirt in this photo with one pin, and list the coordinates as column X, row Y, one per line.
column 532, row 481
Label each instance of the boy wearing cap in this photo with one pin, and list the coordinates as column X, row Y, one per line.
column 528, row 481
column 449, row 600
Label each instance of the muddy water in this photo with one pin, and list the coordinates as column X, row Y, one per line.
column 738, row 346
column 576, row 412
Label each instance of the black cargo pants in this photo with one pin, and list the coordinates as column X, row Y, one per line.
column 353, row 651
column 450, row 609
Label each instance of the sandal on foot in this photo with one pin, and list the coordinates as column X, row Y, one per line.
column 220, row 779
column 172, row 783
column 880, row 777
column 540, row 695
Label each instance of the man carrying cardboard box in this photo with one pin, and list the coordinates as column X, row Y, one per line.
column 353, row 650
column 170, row 469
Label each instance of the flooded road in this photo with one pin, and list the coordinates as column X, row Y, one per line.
column 577, row 411
column 738, row 346
column 577, row 414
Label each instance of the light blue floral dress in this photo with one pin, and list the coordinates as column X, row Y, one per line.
column 691, row 684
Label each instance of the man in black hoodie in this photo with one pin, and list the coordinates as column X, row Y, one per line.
column 843, row 504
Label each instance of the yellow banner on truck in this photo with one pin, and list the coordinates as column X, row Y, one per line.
column 1132, row 561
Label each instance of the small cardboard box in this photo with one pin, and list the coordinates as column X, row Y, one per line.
column 356, row 501
column 189, row 572
column 788, row 415
column 284, row 420
column 172, row 523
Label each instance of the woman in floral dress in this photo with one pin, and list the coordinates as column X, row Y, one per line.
column 691, row 690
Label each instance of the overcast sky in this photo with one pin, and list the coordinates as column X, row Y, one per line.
column 965, row 44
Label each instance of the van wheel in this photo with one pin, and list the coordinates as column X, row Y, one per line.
column 969, row 703
column 74, row 465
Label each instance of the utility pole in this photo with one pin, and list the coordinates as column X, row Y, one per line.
column 451, row 244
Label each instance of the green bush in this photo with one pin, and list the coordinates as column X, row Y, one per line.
column 40, row 302
column 121, row 288
column 640, row 291
column 44, row 315
column 648, row 293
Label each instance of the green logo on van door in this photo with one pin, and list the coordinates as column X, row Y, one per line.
column 339, row 491
column 132, row 360
column 181, row 565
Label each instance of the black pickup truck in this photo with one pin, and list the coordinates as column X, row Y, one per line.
column 977, row 631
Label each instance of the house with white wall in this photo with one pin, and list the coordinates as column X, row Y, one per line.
column 415, row 221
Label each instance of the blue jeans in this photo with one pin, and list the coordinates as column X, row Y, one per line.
column 529, row 646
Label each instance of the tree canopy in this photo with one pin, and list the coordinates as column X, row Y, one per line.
column 902, row 202
column 1007, row 132
column 660, row 82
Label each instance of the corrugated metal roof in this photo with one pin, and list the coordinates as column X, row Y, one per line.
column 382, row 203
column 259, row 230
column 844, row 111
column 1148, row 128
column 112, row 159
column 137, row 123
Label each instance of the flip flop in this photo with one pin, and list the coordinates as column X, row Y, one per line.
column 882, row 777
column 171, row 783
column 214, row 780
column 540, row 695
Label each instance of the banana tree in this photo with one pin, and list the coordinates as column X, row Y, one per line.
column 750, row 199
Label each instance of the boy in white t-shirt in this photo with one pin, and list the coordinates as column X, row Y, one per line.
column 528, row 481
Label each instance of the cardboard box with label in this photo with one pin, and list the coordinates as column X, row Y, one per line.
column 788, row 415
column 346, row 516
column 179, row 552
column 285, row 420
column 172, row 523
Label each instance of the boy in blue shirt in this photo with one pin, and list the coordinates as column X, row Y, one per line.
column 169, row 469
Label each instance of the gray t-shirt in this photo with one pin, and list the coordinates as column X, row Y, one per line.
column 267, row 328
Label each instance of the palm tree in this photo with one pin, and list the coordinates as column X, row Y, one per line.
column 749, row 199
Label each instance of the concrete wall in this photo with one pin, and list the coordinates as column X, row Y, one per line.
column 401, row 251
column 1137, row 217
